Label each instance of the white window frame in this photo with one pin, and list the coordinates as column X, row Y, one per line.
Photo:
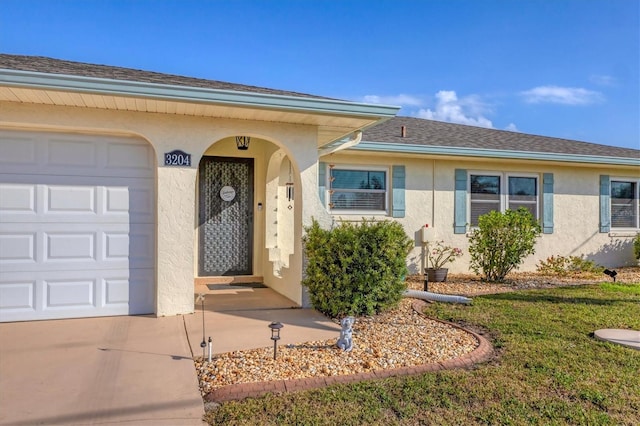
column 504, row 189
column 361, row 212
column 636, row 197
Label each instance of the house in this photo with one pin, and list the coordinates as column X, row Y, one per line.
column 120, row 189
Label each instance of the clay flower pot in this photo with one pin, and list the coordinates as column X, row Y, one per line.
column 437, row 275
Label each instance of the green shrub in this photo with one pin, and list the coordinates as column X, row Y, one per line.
column 501, row 242
column 636, row 246
column 563, row 266
column 356, row 269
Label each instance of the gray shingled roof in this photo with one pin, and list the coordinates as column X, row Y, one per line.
column 441, row 134
column 418, row 131
column 58, row 66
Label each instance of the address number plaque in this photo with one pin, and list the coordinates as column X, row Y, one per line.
column 177, row 158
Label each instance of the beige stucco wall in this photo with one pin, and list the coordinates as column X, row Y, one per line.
column 576, row 206
column 176, row 186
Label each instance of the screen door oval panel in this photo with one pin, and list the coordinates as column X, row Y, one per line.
column 226, row 216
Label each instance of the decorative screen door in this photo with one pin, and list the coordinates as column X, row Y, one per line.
column 226, row 216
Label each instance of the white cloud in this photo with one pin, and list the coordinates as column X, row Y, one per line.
column 468, row 110
column 512, row 128
column 399, row 100
column 602, row 80
column 561, row 95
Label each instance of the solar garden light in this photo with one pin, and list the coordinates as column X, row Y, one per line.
column 612, row 274
column 275, row 335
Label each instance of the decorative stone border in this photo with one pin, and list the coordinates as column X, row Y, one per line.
column 483, row 352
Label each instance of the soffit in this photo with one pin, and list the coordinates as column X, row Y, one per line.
column 330, row 126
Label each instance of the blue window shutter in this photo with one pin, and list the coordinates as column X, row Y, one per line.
column 322, row 182
column 547, row 203
column 605, row 209
column 398, row 191
column 460, row 202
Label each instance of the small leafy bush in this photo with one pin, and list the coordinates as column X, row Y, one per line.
column 563, row 266
column 636, row 246
column 501, row 242
column 356, row 269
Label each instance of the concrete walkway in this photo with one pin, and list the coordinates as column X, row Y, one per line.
column 134, row 370
column 238, row 318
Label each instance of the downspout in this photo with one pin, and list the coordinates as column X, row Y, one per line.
column 433, row 193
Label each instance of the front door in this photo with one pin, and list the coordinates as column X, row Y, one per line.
column 226, row 216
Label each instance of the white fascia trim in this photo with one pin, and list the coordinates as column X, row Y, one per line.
column 493, row 153
column 92, row 85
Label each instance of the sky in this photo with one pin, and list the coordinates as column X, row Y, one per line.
column 561, row 68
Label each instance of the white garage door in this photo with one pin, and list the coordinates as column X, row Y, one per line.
column 77, row 226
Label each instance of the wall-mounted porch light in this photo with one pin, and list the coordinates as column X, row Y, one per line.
column 242, row 142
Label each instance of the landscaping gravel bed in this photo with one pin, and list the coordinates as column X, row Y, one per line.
column 398, row 338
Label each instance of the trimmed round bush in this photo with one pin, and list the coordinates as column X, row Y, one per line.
column 356, row 269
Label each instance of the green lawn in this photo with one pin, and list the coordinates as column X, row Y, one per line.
column 549, row 370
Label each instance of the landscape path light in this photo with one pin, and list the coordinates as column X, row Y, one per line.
column 275, row 335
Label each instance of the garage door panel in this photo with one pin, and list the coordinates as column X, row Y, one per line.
column 142, row 247
column 17, row 151
column 22, row 199
column 71, row 153
column 80, row 155
column 141, row 295
column 70, row 293
column 70, row 199
column 116, row 292
column 18, row 297
column 18, row 198
column 52, row 246
column 77, row 226
column 70, row 247
column 75, row 294
column 16, row 247
column 122, row 158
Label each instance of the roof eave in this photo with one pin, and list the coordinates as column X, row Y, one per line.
column 493, row 153
column 93, row 85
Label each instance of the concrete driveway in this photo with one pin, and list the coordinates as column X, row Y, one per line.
column 135, row 370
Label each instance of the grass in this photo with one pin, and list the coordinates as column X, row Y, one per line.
column 549, row 370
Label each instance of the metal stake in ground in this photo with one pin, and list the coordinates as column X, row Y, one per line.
column 204, row 342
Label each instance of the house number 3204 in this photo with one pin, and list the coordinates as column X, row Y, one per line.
column 177, row 158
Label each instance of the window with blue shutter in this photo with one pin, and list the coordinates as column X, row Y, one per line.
column 547, row 203
column 398, row 207
column 322, row 182
column 460, row 202
column 605, row 209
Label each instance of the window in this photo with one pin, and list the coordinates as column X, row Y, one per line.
column 356, row 190
column 523, row 192
column 485, row 196
column 624, row 204
column 494, row 191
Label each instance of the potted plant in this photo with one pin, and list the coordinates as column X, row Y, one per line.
column 438, row 255
column 636, row 248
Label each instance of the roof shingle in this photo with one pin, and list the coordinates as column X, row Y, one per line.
column 441, row 134
column 59, row 66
